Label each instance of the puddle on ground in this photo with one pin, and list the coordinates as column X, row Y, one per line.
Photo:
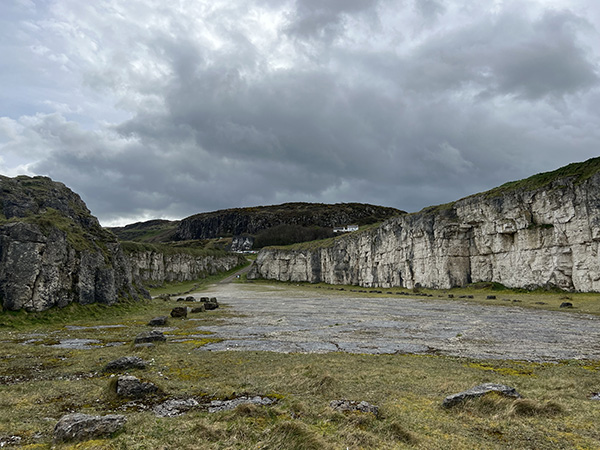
column 95, row 327
column 84, row 344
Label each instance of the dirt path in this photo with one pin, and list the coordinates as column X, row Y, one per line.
column 274, row 318
column 236, row 275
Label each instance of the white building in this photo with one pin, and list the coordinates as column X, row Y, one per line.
column 345, row 229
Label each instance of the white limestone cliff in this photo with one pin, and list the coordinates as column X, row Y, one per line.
column 547, row 235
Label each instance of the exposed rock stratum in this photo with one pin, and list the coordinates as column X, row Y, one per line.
column 54, row 252
column 540, row 232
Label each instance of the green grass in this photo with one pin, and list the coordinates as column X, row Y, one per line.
column 40, row 383
column 178, row 288
column 556, row 411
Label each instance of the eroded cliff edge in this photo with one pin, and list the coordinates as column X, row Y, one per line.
column 540, row 232
column 54, row 252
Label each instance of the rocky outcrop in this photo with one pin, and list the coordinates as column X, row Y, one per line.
column 54, row 252
column 242, row 243
column 539, row 232
column 152, row 266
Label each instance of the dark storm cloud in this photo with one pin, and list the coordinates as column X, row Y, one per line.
column 405, row 103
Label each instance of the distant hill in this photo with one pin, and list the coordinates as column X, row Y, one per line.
column 264, row 225
column 152, row 231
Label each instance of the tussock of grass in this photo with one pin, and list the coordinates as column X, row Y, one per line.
column 530, row 408
column 293, row 435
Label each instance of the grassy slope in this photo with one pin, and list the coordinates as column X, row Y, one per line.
column 38, row 384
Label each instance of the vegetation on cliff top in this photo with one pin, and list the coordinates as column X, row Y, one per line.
column 574, row 173
column 193, row 248
column 151, row 231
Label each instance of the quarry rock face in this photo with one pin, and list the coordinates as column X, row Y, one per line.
column 153, row 266
column 518, row 236
column 54, row 252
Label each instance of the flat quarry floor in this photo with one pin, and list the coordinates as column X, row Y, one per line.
column 280, row 319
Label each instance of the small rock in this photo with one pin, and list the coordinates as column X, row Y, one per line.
column 179, row 311
column 204, row 299
column 80, row 427
column 540, row 303
column 144, row 345
column 595, row 396
column 190, row 299
column 181, row 299
column 160, row 321
column 10, row 440
column 450, row 295
column 132, row 387
column 125, row 363
column 198, row 309
column 175, row 407
column 347, row 405
column 210, row 305
column 566, row 305
column 150, row 336
column 478, row 391
column 491, row 297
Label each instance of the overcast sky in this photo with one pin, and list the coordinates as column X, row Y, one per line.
column 162, row 109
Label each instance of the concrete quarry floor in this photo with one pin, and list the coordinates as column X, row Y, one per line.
column 281, row 319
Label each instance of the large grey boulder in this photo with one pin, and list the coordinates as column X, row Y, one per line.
column 125, row 363
column 132, row 387
column 81, row 427
column 179, row 311
column 150, row 336
column 479, row 391
column 159, row 321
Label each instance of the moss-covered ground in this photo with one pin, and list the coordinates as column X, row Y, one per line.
column 40, row 382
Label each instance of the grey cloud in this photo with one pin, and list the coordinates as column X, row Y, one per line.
column 319, row 19
column 219, row 114
column 507, row 56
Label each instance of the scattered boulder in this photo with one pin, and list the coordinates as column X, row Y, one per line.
column 159, row 321
column 190, row 299
column 479, row 391
column 450, row 295
column 150, row 336
column 204, row 299
column 198, row 309
column 566, row 305
column 491, row 297
column 351, row 406
column 132, row 387
column 225, row 405
column 80, row 427
column 210, row 306
column 595, row 396
column 175, row 407
column 125, row 363
column 181, row 299
column 179, row 311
